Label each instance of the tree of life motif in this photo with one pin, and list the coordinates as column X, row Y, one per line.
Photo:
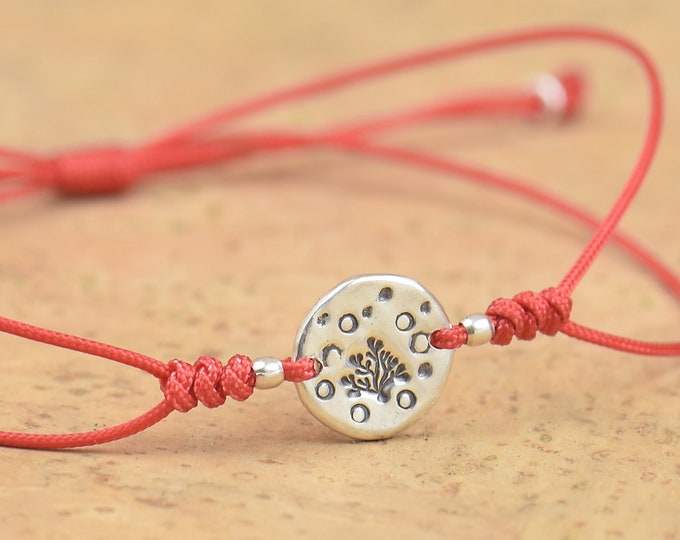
column 375, row 372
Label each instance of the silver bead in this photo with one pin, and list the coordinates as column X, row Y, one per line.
column 268, row 373
column 552, row 93
column 479, row 329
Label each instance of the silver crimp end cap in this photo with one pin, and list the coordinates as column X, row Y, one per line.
column 479, row 327
column 268, row 373
column 552, row 93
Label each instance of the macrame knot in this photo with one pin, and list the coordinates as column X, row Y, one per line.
column 208, row 381
column 528, row 313
column 95, row 171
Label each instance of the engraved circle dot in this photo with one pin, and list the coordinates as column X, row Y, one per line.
column 424, row 370
column 385, row 294
column 405, row 321
column 406, row 399
column 348, row 323
column 360, row 413
column 420, row 343
column 367, row 312
column 325, row 390
column 322, row 320
column 329, row 350
column 425, row 307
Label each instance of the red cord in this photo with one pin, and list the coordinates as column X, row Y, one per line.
column 111, row 169
column 183, row 385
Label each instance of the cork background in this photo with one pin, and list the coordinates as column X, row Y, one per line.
column 549, row 439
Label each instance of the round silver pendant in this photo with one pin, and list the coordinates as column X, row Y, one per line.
column 380, row 373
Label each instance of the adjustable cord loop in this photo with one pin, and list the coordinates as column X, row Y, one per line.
column 107, row 170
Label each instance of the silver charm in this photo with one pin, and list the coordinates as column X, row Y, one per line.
column 380, row 373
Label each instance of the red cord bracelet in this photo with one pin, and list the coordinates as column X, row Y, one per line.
column 373, row 355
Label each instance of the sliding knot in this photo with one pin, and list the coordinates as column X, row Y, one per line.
column 208, row 381
column 528, row 313
column 96, row 171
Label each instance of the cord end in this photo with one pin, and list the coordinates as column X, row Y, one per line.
column 561, row 94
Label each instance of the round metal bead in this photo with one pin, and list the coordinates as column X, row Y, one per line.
column 479, row 329
column 268, row 373
column 552, row 93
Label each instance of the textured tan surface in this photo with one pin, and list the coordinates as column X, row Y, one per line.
column 553, row 439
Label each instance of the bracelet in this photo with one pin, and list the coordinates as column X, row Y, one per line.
column 373, row 355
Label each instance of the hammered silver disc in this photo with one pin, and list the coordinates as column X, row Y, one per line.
column 380, row 373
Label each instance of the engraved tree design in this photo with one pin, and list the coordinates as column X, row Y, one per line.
column 375, row 372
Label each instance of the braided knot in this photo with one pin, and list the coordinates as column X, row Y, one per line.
column 208, row 381
column 528, row 313
column 95, row 171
